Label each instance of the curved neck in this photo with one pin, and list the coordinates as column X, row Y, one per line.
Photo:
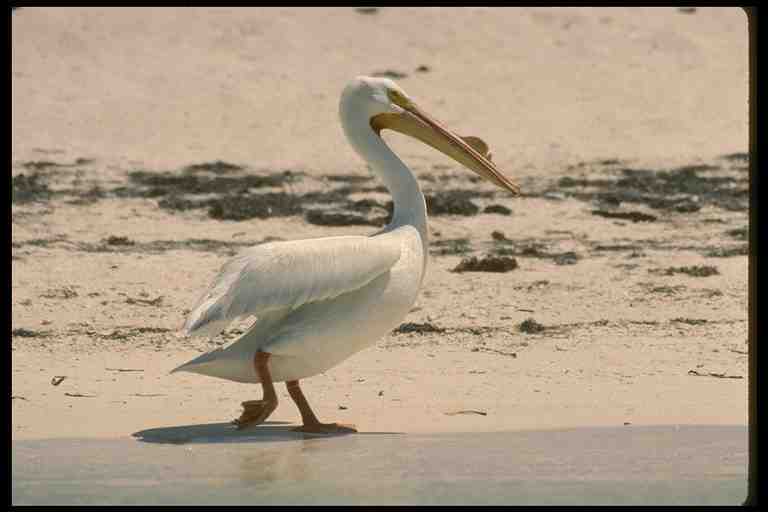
column 409, row 205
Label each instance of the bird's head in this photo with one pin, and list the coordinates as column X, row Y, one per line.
column 388, row 106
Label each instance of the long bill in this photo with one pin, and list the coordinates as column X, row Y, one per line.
column 416, row 123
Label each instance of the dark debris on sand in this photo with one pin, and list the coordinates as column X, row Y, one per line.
column 739, row 233
column 499, row 236
column 531, row 326
column 348, row 178
column 40, row 165
column 215, row 167
column 451, row 202
column 88, row 197
column 530, row 249
column 486, row 264
column 194, row 180
column 631, row 216
column 727, row 252
column 566, row 258
column 683, row 189
column 692, row 270
column 667, row 290
column 690, row 321
column 450, row 246
column 118, row 240
column 390, row 73
column 249, row 206
column 418, row 328
column 21, row 332
column 322, row 217
column 64, row 292
column 736, row 157
column 498, row 209
column 617, row 247
column 155, row 246
column 29, row 187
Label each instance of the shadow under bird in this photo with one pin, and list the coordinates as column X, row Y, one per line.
column 318, row 301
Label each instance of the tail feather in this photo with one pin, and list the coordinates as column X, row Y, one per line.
column 206, row 320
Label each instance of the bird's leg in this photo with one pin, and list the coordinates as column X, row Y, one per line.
column 256, row 411
column 310, row 422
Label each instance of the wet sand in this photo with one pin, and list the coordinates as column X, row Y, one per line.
column 212, row 464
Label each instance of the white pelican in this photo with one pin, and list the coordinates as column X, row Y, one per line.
column 319, row 301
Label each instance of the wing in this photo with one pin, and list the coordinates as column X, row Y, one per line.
column 286, row 275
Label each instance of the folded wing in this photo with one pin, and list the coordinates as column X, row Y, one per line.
column 286, row 275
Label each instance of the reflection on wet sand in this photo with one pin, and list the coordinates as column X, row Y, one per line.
column 283, row 461
column 216, row 464
column 270, row 431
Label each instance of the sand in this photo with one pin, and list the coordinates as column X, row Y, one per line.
column 663, row 465
column 638, row 114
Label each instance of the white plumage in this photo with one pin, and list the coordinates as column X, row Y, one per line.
column 288, row 275
column 318, row 301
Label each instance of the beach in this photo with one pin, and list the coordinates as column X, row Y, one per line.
column 150, row 145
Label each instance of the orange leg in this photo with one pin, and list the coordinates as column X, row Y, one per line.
column 257, row 411
column 310, row 422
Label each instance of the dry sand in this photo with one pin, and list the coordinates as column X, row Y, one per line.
column 590, row 109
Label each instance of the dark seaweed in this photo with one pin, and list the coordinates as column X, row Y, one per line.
column 693, row 271
column 531, row 326
column 497, row 208
column 418, row 328
column 450, row 246
column 262, row 206
column 452, row 202
column 28, row 188
column 633, row 216
column 339, row 218
column 486, row 264
column 390, row 73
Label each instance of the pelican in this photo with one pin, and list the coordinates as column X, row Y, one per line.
column 318, row 301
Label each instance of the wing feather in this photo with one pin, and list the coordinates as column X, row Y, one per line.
column 286, row 275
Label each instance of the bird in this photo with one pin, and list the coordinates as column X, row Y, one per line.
column 318, row 301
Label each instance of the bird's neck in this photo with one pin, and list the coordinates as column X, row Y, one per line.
column 409, row 204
